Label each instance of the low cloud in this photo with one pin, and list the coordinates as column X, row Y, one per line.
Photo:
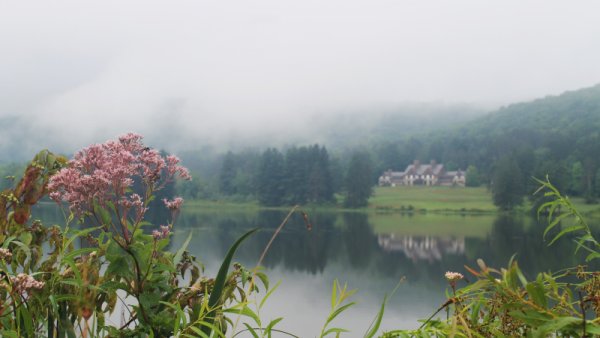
column 220, row 71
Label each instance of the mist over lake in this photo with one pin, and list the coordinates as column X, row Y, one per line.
column 431, row 156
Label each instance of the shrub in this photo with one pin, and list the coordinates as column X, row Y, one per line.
column 51, row 287
column 503, row 303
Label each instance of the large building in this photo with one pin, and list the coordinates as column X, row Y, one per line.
column 423, row 174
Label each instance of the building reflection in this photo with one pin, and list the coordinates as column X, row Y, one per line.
column 422, row 248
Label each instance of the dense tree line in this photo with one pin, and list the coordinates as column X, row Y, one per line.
column 557, row 136
column 296, row 175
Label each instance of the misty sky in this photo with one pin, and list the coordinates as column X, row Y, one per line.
column 93, row 70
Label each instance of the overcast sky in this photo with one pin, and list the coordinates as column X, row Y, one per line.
column 95, row 69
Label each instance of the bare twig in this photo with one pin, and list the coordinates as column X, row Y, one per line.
column 283, row 223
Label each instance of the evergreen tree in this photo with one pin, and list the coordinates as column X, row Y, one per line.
column 576, row 184
column 507, row 185
column 358, row 182
column 320, row 182
column 308, row 175
column 269, row 180
column 227, row 175
column 297, row 170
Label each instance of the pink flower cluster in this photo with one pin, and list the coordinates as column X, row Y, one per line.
column 173, row 205
column 106, row 172
column 24, row 282
column 453, row 276
column 5, row 254
column 164, row 232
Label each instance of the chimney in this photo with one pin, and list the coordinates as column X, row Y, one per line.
column 416, row 163
column 433, row 163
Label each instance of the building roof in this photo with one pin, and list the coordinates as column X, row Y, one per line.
column 424, row 169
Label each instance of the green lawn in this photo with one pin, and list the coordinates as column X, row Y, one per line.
column 404, row 199
column 432, row 199
column 450, row 199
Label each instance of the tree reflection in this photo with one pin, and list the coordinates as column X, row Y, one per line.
column 347, row 242
column 359, row 239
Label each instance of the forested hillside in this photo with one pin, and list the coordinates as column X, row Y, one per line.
column 557, row 135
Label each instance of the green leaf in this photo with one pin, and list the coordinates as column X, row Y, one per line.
column 475, row 312
column 103, row 213
column 592, row 256
column 566, row 231
column 334, row 294
column 339, row 310
column 245, row 311
column 25, row 238
column 24, row 316
column 262, row 302
column 148, row 300
column 264, row 279
column 119, row 267
column 537, row 294
column 181, row 250
column 530, row 317
column 199, row 332
column 272, row 324
column 79, row 234
column 217, row 292
column 592, row 328
column 334, row 330
column 251, row 330
column 556, row 324
column 377, row 322
column 555, row 222
column 78, row 252
column 24, row 248
column 215, row 330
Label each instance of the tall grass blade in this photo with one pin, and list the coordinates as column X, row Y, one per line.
column 375, row 325
column 215, row 296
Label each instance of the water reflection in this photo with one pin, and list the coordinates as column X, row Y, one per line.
column 419, row 246
column 422, row 248
column 371, row 252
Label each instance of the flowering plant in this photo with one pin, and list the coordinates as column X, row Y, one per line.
column 50, row 285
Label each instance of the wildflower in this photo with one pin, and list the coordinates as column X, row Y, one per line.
column 5, row 254
column 453, row 276
column 173, row 168
column 164, row 232
column 106, row 172
column 174, row 204
column 24, row 282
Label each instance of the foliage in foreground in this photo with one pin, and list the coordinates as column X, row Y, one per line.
column 503, row 303
column 74, row 280
column 108, row 275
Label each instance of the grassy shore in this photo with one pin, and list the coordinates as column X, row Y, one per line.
column 438, row 199
column 417, row 199
column 450, row 199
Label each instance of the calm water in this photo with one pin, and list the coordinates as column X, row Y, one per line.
column 371, row 252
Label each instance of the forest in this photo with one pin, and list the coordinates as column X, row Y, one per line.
column 556, row 136
column 504, row 149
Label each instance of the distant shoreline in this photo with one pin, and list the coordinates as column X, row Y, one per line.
column 405, row 200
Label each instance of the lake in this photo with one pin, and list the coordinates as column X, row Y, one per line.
column 370, row 252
